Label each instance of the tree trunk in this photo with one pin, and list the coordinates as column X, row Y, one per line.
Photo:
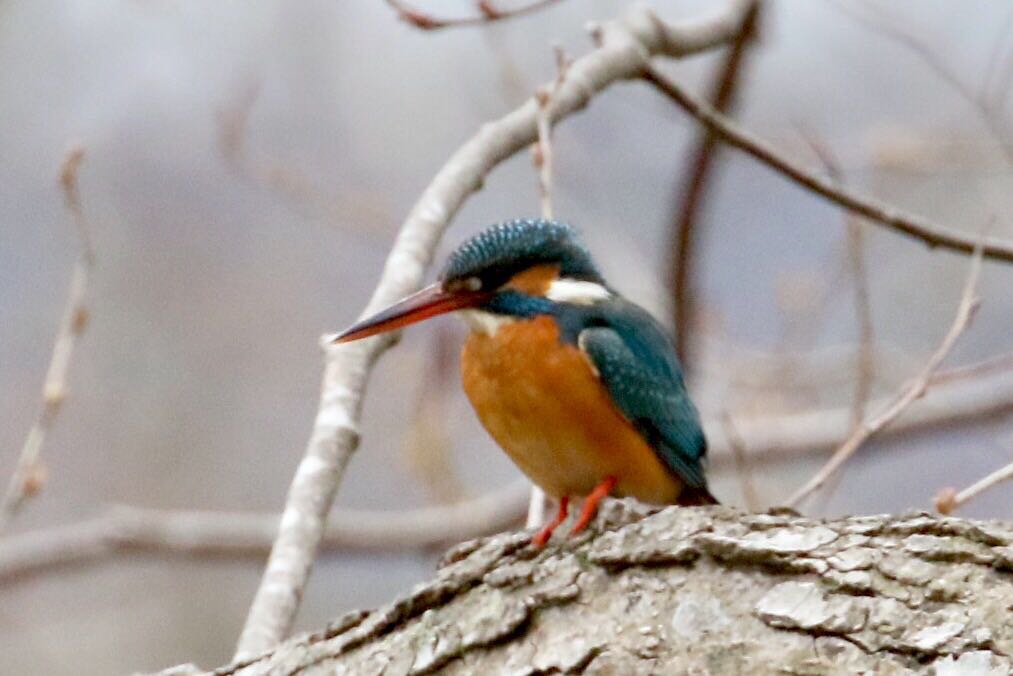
column 693, row 591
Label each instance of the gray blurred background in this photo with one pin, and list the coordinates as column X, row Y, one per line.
column 195, row 385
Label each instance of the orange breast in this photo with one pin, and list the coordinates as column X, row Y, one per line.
column 542, row 402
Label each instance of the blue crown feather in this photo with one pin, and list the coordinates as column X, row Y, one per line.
column 501, row 251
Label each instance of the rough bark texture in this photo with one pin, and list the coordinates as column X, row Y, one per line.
column 693, row 591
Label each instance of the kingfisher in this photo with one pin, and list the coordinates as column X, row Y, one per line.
column 578, row 385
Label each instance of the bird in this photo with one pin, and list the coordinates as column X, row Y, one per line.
column 580, row 386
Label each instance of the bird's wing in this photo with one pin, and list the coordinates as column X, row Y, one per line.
column 637, row 365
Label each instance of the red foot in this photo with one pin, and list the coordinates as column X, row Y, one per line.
column 543, row 535
column 591, row 503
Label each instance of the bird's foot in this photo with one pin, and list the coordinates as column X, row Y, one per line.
column 590, row 507
column 543, row 535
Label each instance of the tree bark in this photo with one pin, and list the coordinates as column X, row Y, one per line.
column 692, row 591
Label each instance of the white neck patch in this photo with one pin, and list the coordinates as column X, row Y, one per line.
column 485, row 322
column 577, row 292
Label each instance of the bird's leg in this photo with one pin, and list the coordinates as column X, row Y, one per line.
column 591, row 503
column 543, row 535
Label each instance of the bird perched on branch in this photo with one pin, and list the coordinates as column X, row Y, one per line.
column 579, row 386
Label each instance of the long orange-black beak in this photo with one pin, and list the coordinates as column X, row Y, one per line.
column 429, row 302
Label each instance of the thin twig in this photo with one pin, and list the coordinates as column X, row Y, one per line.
column 622, row 48
column 969, row 302
column 948, row 499
column 285, row 180
column 917, row 227
column 427, row 444
column 742, row 465
column 692, row 190
column 863, row 308
column 541, row 151
column 785, row 437
column 927, row 54
column 542, row 156
column 488, row 12
column 992, row 365
column 29, row 475
column 124, row 530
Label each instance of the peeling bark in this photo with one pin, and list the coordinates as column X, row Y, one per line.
column 692, row 591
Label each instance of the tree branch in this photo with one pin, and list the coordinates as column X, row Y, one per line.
column 488, row 13
column 125, row 530
column 693, row 190
column 932, row 234
column 969, row 302
column 624, row 47
column 949, row 500
column 689, row 590
column 29, row 474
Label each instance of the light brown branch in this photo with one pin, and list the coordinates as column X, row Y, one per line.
column 29, row 474
column 624, row 46
column 427, row 444
column 969, row 302
column 693, row 191
column 488, row 12
column 948, row 499
column 917, row 227
column 542, row 149
column 125, row 530
column 998, row 364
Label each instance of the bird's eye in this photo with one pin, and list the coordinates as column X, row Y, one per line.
column 472, row 284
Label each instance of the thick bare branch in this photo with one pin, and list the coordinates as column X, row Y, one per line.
column 969, row 302
column 623, row 49
column 689, row 591
column 917, row 227
column 125, row 530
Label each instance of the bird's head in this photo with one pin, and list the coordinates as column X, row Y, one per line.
column 519, row 268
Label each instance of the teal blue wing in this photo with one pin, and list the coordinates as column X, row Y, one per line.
column 637, row 365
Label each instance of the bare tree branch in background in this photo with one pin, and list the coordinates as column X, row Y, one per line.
column 288, row 182
column 948, row 499
column 623, row 49
column 863, row 309
column 786, row 436
column 125, row 530
column 969, row 302
column 917, row 227
column 30, row 473
column 542, row 156
column 987, row 105
column 427, row 445
column 541, row 151
column 998, row 364
column 692, row 191
column 488, row 11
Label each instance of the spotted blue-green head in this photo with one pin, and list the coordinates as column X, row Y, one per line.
column 517, row 267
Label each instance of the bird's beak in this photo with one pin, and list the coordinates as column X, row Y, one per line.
column 429, row 302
